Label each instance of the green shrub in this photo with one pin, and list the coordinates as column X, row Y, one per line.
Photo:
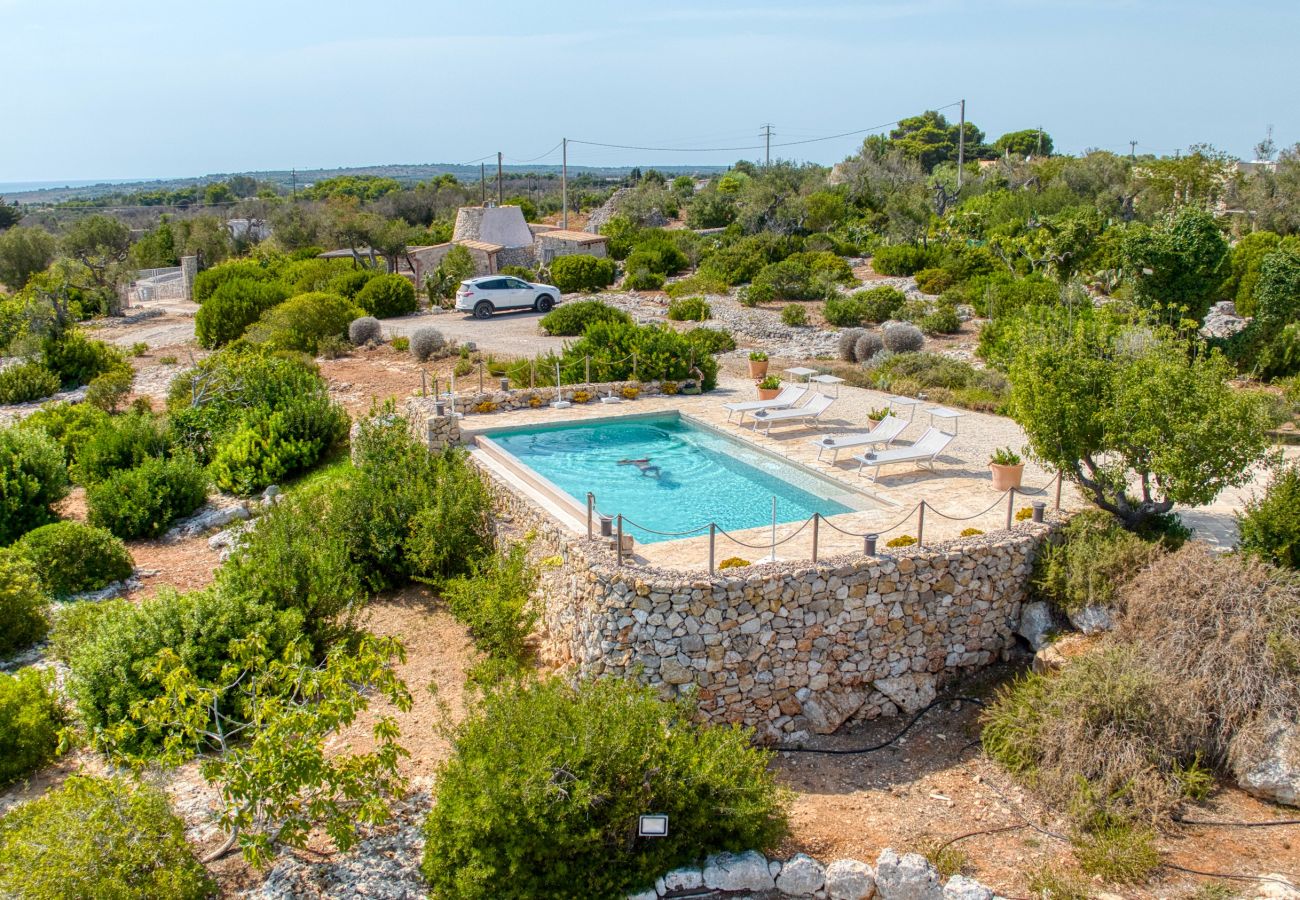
column 232, row 308
column 30, row 719
column 899, row 259
column 70, row 424
column 934, row 281
column 73, row 558
column 711, row 340
column 495, row 604
column 302, row 276
column 450, row 528
column 111, row 663
column 386, row 296
column 300, row 323
column 545, row 772
column 1270, row 525
column 943, row 320
column 27, row 381
column 401, row 343
column 654, row 251
column 572, row 319
column 349, row 284
column 109, row 389
column 580, row 272
column 33, row 477
column 76, row 359
column 523, row 272
column 144, row 501
column 642, row 280
column 695, row 284
column 661, row 354
column 902, row 337
column 1120, row 852
column 878, row 304
column 942, row 379
column 272, row 443
column 121, row 442
column 207, row 281
column 98, row 837
column 802, row 276
column 24, row 608
column 689, row 309
column 1092, row 560
column 794, row 316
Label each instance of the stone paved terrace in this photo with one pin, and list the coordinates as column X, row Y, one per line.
column 961, row 485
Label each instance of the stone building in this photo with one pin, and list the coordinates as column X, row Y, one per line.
column 558, row 242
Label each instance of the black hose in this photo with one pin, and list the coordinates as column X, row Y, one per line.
column 882, row 745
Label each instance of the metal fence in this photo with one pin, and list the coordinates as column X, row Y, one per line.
column 616, row 526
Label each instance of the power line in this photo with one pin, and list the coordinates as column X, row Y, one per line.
column 536, row 158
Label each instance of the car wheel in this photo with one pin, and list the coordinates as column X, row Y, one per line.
column 483, row 310
column 544, row 303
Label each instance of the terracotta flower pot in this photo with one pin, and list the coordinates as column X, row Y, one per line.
column 768, row 393
column 1006, row 477
column 757, row 368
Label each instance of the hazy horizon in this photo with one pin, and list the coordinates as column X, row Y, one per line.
column 112, row 94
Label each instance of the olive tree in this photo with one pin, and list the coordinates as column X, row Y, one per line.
column 1137, row 418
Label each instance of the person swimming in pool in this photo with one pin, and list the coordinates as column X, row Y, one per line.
column 643, row 464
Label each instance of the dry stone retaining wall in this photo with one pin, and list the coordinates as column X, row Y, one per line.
column 788, row 648
column 421, row 409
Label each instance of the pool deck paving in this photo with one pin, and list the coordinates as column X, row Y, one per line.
column 958, row 493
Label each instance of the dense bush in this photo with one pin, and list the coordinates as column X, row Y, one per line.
column 96, row 837
column 30, row 719
column 272, row 443
column 1270, row 524
column 233, row 307
column 942, row 379
column 801, row 276
column 495, row 603
column 794, row 316
column 642, row 280
column 386, row 296
column 503, row 820
column 121, row 442
column 868, row 344
column 70, row 424
column 33, row 477
column 110, row 663
column 1091, row 562
column 144, row 501
column 581, row 272
column 711, row 340
column 689, row 309
column 76, row 359
column 848, row 340
column 300, row 323
column 901, row 337
column 900, row 259
column 655, row 251
column 73, row 558
column 207, row 281
column 348, row 284
column 942, row 319
column 426, row 343
column 527, row 274
column 364, row 330
column 108, row 389
column 934, row 281
column 572, row 319
column 878, row 304
column 661, row 354
column 27, row 381
column 24, row 608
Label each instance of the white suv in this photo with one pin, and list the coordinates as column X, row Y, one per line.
column 490, row 293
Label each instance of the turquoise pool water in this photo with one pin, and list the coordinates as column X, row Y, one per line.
column 702, row 475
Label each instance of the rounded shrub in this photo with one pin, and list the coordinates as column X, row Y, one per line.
column 899, row 259
column 99, row 837
column 689, row 309
column 545, row 772
column 74, row 558
column 300, row 323
column 934, row 281
column 24, row 608
column 643, row 280
column 30, row 719
column 426, row 343
column 1094, row 558
column 868, row 344
column 27, row 381
column 580, row 272
column 572, row 319
column 208, row 281
column 121, row 442
column 1270, row 525
column 70, row 424
column 77, row 359
column 234, row 306
column 902, row 337
column 386, row 296
column 144, row 501
column 711, row 340
column 794, row 316
column 33, row 476
column 942, row 320
column 349, row 284
column 272, row 443
column 364, row 330
column 847, row 343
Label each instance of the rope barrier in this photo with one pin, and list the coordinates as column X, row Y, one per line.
column 769, row 544
column 855, row 534
column 627, row 522
column 996, row 503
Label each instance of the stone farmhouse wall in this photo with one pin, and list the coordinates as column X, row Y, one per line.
column 787, row 648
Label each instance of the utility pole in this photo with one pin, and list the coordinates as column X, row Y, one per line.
column 564, row 182
column 1132, row 151
column 482, row 184
column 767, row 140
column 294, row 196
column 1040, row 140
column 961, row 144
column 498, row 178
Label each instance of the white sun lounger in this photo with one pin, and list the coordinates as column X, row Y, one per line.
column 787, row 398
column 885, row 431
column 809, row 412
column 923, row 452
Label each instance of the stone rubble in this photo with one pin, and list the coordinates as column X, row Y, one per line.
column 1222, row 321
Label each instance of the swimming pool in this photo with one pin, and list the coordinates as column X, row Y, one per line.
column 689, row 476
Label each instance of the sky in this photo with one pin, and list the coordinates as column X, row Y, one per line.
column 145, row 89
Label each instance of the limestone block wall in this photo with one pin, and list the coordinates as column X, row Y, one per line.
column 487, row 402
column 788, row 648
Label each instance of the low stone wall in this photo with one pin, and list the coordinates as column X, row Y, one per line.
column 788, row 648
column 486, row 402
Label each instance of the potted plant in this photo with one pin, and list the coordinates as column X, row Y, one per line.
column 757, row 364
column 1007, row 468
column 877, row 415
column 769, row 387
